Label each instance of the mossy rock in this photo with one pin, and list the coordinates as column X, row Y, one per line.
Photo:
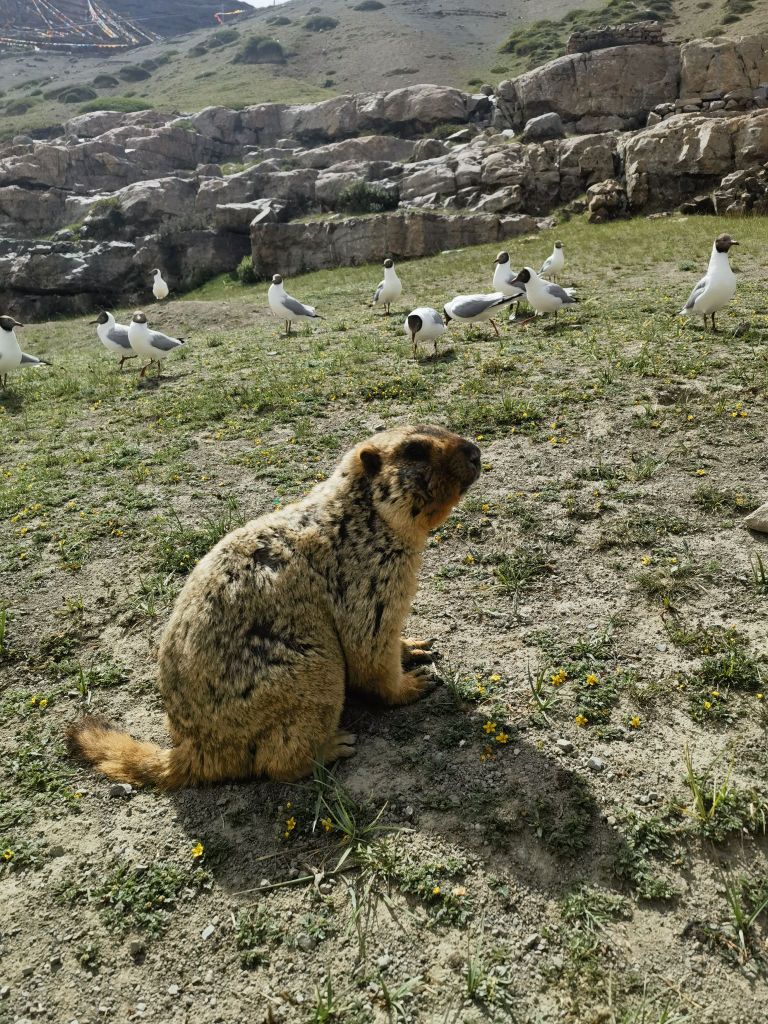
column 369, row 5
column 260, row 50
column 279, row 19
column 77, row 94
column 320, row 23
column 133, row 73
column 105, row 81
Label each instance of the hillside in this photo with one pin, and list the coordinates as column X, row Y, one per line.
column 345, row 49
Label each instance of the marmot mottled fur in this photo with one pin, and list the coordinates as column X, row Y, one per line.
column 286, row 612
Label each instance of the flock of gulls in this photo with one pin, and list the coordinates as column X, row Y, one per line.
column 540, row 291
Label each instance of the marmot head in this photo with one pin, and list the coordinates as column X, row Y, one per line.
column 417, row 474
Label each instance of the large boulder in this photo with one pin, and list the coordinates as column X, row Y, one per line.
column 141, row 207
column 367, row 148
column 299, row 246
column 710, row 68
column 236, row 218
column 687, row 154
column 25, row 211
column 543, row 128
column 623, row 81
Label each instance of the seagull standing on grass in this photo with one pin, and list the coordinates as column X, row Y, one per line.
column 286, row 307
column 149, row 344
column 476, row 309
column 503, row 276
column 718, row 286
column 11, row 356
column 553, row 265
column 390, row 289
column 424, row 324
column 113, row 336
column 159, row 287
column 542, row 296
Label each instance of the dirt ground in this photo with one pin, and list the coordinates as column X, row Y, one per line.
column 571, row 827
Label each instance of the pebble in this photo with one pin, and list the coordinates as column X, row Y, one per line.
column 120, row 789
column 136, row 947
column 532, row 941
column 5, row 991
column 661, row 647
column 173, row 990
column 56, row 851
column 383, row 961
column 27, row 972
column 409, row 812
column 207, row 932
column 596, row 764
column 565, row 745
column 305, row 942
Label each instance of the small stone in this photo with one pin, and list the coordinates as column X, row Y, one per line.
column 136, row 947
column 532, row 941
column 118, row 789
column 207, row 932
column 54, row 963
column 5, row 991
column 661, row 647
column 27, row 972
column 305, row 942
column 596, row 764
column 409, row 812
column 565, row 745
column 56, row 851
column 383, row 961
column 173, row 990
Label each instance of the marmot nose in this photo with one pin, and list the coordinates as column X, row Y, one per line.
column 472, row 452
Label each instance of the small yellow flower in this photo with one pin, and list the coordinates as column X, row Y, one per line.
column 760, row 696
column 489, row 727
column 32, row 701
column 469, row 560
column 559, row 677
column 646, row 560
column 7, row 855
column 290, row 825
column 436, row 890
column 480, row 690
column 581, row 721
column 502, row 737
column 198, row 850
column 486, row 508
column 591, row 679
column 43, row 704
column 707, row 705
column 495, row 678
column 701, row 472
column 635, row 721
column 715, row 693
column 327, row 824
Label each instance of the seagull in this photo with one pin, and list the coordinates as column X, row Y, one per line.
column 113, row 336
column 11, row 356
column 424, row 324
column 553, row 265
column 718, row 286
column 284, row 305
column 390, row 289
column 542, row 296
column 149, row 344
column 159, row 287
column 476, row 309
column 503, row 276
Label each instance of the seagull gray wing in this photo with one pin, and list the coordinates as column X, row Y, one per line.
column 378, row 292
column 475, row 305
column 436, row 318
column 163, row 342
column 297, row 307
column 118, row 335
column 27, row 360
column 561, row 293
column 696, row 293
column 545, row 265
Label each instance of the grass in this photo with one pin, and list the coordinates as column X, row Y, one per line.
column 554, row 591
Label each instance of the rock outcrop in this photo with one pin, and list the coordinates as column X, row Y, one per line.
column 633, row 33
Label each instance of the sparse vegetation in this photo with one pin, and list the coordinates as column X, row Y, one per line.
column 364, row 197
column 259, row 50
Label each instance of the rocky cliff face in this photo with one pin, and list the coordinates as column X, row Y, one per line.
column 87, row 215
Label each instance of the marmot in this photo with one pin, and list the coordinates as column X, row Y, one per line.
column 286, row 612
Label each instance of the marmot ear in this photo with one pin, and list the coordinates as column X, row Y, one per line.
column 371, row 460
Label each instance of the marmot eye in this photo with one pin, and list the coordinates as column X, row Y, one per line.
column 416, row 451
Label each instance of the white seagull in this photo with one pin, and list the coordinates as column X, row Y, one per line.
column 542, row 296
column 11, row 356
column 149, row 344
column 113, row 336
column 553, row 265
column 390, row 289
column 476, row 309
column 424, row 324
column 285, row 306
column 503, row 276
column 159, row 287
column 718, row 286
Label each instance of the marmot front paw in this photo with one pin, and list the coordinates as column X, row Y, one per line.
column 417, row 683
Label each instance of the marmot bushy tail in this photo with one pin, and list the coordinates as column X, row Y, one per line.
column 121, row 757
column 286, row 613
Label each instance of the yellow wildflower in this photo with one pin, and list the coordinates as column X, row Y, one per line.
column 198, row 850
column 635, row 721
column 715, row 693
column 760, row 696
column 327, row 824
column 489, row 727
column 436, row 890
column 580, row 720
column 707, row 705
column 701, row 472
column 43, row 704
column 646, row 560
column 495, row 678
column 290, row 825
column 469, row 560
column 591, row 679
column 559, row 677
column 7, row 854
column 502, row 737
column 480, row 690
